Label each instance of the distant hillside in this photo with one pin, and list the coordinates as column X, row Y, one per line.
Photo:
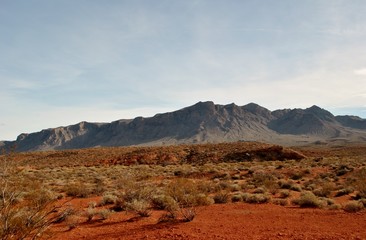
column 201, row 123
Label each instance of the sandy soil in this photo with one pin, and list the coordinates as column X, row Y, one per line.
column 226, row 221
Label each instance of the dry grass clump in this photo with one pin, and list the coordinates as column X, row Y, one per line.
column 141, row 206
column 186, row 193
column 137, row 198
column 236, row 198
column 26, row 209
column 307, row 200
column 325, row 190
column 221, row 197
column 256, row 198
column 281, row 202
column 164, row 202
column 180, row 199
column 108, row 199
column 344, row 191
column 360, row 183
column 353, row 206
column 284, row 193
column 79, row 190
column 101, row 214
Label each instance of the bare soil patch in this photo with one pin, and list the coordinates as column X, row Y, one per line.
column 227, row 221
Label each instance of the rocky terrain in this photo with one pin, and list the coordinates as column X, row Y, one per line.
column 204, row 122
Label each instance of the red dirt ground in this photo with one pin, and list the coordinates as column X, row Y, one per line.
column 227, row 221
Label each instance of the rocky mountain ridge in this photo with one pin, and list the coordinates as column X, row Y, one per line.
column 201, row 123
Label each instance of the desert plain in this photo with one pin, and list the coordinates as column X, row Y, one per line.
column 241, row 190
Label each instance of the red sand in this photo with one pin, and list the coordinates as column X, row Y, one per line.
column 227, row 221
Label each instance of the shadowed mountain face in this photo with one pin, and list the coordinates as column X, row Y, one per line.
column 201, row 123
column 313, row 121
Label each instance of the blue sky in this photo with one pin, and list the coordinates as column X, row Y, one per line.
column 66, row 61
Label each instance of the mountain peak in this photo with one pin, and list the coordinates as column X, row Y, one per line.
column 200, row 123
column 320, row 112
column 257, row 110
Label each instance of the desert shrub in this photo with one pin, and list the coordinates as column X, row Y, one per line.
column 235, row 187
column 79, row 190
column 342, row 170
column 353, row 206
column 207, row 187
column 26, row 209
column 264, row 179
column 283, row 184
column 164, row 202
column 296, row 188
column 140, row 206
column 119, row 205
column 221, row 197
column 256, row 198
column 325, row 190
column 335, row 207
column 282, row 202
column 99, row 187
column 104, row 213
column 222, row 175
column 203, row 200
column 188, row 214
column 307, row 199
column 136, row 198
column 296, row 175
column 360, row 183
column 92, row 212
column 236, row 198
column 168, row 217
column 259, row 190
column 92, row 204
column 65, row 214
column 236, row 177
column 344, row 191
column 184, row 192
column 284, row 193
column 179, row 200
column 224, row 185
column 108, row 199
column 363, row 201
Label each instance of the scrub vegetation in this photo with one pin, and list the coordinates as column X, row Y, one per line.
column 37, row 188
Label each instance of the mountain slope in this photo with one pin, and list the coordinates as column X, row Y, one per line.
column 313, row 120
column 200, row 123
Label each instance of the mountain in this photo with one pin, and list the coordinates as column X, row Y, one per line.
column 201, row 123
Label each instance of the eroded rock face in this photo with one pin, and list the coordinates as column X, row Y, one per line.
column 203, row 122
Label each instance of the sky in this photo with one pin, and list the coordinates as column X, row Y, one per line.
column 67, row 61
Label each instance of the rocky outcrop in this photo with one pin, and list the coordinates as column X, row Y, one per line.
column 201, row 123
